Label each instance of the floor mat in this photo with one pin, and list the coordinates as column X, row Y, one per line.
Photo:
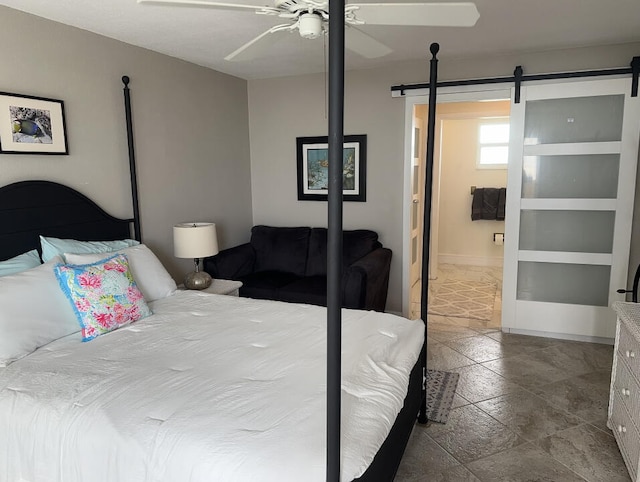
column 464, row 299
column 441, row 387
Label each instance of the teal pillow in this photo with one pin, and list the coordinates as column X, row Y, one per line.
column 103, row 295
column 57, row 247
column 22, row 262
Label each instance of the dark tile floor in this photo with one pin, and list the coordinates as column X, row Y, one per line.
column 526, row 409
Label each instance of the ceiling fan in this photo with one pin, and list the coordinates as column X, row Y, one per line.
column 311, row 19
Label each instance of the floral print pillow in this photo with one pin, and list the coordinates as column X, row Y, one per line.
column 103, row 295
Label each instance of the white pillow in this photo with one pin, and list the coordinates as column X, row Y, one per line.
column 147, row 270
column 19, row 263
column 56, row 247
column 33, row 312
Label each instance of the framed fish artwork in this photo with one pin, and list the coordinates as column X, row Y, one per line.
column 313, row 168
column 32, row 125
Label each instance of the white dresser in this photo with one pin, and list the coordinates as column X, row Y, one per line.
column 624, row 397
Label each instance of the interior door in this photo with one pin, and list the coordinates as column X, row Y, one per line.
column 572, row 170
column 417, row 195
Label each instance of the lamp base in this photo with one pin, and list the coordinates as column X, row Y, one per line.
column 197, row 280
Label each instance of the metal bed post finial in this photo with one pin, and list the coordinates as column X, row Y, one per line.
column 132, row 159
column 434, row 48
column 426, row 227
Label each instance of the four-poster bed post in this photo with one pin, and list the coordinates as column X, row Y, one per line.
column 132, row 160
column 334, row 240
column 426, row 227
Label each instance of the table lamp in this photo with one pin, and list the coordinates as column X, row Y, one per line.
column 195, row 240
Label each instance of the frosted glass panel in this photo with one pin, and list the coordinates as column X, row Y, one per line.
column 577, row 284
column 592, row 176
column 416, row 180
column 414, row 250
column 573, row 231
column 578, row 119
column 414, row 216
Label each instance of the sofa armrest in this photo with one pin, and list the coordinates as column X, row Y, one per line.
column 232, row 263
column 366, row 281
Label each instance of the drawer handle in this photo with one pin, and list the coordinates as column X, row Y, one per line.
column 625, row 392
column 622, row 429
column 630, row 354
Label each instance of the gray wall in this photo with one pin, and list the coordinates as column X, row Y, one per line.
column 191, row 130
column 286, row 108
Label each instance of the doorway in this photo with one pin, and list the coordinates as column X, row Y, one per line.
column 461, row 250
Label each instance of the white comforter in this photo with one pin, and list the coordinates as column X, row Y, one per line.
column 209, row 388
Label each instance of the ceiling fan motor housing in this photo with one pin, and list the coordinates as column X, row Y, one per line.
column 310, row 25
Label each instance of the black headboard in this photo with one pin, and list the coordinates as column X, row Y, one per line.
column 32, row 208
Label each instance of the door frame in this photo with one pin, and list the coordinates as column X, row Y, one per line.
column 462, row 93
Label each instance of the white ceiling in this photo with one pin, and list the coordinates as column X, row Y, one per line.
column 205, row 36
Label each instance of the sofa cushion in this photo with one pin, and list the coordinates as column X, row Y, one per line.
column 265, row 284
column 280, row 249
column 312, row 290
column 355, row 244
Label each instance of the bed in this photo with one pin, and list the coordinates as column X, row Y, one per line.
column 158, row 399
column 209, row 387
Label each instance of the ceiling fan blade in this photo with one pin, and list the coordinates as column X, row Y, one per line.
column 255, row 47
column 460, row 14
column 203, row 4
column 362, row 44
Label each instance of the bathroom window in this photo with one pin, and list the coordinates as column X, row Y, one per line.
column 493, row 143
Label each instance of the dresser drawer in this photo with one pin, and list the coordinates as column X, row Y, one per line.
column 626, row 435
column 628, row 350
column 627, row 389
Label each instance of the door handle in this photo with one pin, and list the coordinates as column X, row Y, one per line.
column 634, row 290
column 415, row 201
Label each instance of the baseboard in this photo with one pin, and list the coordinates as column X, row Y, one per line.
column 561, row 336
column 470, row 260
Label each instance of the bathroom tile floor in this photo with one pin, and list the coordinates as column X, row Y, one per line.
column 526, row 408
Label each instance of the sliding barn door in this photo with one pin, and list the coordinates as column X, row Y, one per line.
column 572, row 173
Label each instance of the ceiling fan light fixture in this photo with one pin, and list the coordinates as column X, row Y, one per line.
column 310, row 25
column 311, row 19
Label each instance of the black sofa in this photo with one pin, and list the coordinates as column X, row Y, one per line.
column 290, row 264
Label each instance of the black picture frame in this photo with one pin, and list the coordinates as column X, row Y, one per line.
column 32, row 125
column 312, row 163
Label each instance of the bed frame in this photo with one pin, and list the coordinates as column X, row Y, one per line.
column 386, row 462
column 32, row 208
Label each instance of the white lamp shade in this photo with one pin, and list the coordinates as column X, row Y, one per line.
column 195, row 240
